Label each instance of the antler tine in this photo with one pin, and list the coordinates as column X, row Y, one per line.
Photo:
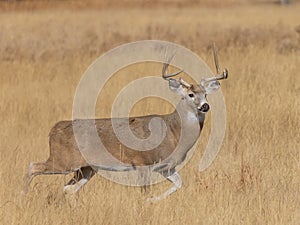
column 219, row 75
column 166, row 65
column 222, row 76
column 216, row 58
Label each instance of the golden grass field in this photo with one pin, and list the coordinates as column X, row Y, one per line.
column 45, row 47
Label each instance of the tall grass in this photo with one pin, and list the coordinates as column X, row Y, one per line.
column 255, row 178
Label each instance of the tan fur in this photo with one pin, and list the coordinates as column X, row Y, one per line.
column 65, row 156
column 183, row 129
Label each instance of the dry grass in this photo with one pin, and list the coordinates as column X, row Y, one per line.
column 255, row 178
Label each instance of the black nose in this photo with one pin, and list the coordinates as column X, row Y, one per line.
column 204, row 107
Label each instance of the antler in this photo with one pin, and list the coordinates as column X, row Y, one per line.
column 166, row 65
column 219, row 76
column 165, row 68
column 216, row 58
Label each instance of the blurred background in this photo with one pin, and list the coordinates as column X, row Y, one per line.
column 45, row 47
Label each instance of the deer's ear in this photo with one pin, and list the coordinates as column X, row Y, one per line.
column 176, row 87
column 210, row 86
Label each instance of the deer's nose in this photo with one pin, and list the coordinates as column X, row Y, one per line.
column 204, row 107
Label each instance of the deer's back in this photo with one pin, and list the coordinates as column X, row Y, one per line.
column 62, row 139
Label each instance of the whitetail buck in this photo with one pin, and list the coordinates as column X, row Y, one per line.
column 65, row 156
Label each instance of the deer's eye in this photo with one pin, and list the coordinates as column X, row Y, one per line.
column 191, row 95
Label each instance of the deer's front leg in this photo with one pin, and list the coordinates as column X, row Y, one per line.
column 176, row 180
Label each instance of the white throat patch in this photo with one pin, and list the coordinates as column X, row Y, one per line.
column 192, row 117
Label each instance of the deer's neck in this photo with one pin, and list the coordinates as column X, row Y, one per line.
column 190, row 117
column 186, row 123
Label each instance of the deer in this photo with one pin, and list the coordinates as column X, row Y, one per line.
column 189, row 115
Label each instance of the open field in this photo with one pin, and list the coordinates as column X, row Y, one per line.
column 45, row 49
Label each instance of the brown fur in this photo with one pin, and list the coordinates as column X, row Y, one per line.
column 65, row 156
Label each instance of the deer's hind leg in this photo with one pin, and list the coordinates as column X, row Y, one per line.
column 81, row 177
column 38, row 168
column 34, row 169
